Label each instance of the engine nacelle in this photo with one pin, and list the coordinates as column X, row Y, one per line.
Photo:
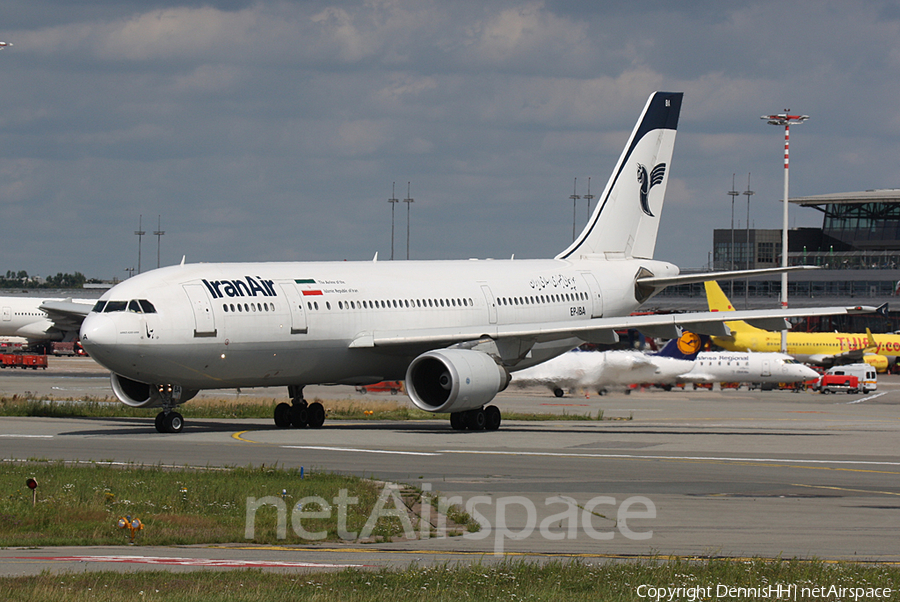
column 454, row 380
column 143, row 395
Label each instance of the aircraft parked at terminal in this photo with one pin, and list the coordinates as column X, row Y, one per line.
column 680, row 361
column 38, row 319
column 454, row 330
column 819, row 348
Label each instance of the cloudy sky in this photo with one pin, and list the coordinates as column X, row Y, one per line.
column 273, row 130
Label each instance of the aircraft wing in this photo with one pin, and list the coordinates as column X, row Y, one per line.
column 66, row 315
column 598, row 330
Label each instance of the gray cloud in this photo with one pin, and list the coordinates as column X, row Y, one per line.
column 273, row 130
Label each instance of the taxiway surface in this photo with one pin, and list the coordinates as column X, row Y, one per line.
column 732, row 473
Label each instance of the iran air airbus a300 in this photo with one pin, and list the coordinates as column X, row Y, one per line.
column 454, row 330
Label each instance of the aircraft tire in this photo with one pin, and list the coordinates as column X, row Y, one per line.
column 476, row 419
column 174, row 422
column 558, row 392
column 316, row 415
column 492, row 418
column 283, row 416
column 458, row 421
column 160, row 423
column 299, row 416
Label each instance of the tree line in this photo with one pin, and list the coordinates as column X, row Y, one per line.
column 21, row 279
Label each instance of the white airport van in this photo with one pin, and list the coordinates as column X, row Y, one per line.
column 868, row 380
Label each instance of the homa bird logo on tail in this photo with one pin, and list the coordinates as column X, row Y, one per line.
column 656, row 176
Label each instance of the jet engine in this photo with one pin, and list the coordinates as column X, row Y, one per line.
column 143, row 395
column 454, row 380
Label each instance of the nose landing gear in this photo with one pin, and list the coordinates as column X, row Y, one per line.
column 168, row 421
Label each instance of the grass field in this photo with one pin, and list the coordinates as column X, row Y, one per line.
column 246, row 407
column 519, row 580
column 81, row 504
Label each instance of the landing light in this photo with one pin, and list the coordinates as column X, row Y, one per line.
column 223, row 356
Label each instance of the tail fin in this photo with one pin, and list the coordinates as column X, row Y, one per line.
column 685, row 347
column 715, row 297
column 626, row 219
column 717, row 301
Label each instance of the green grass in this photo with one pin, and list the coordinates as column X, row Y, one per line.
column 336, row 409
column 81, row 504
column 570, row 581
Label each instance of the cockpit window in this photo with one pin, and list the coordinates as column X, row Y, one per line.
column 112, row 306
column 147, row 306
column 134, row 307
column 99, row 306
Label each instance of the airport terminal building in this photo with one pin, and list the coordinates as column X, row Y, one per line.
column 857, row 249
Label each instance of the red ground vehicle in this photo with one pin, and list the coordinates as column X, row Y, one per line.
column 19, row 360
column 836, row 383
column 387, row 386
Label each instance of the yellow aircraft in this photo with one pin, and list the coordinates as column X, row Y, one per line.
column 820, row 348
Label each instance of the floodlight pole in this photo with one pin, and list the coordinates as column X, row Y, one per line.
column 408, row 200
column 574, row 198
column 732, row 193
column 140, row 234
column 393, row 201
column 589, row 197
column 158, row 234
column 787, row 120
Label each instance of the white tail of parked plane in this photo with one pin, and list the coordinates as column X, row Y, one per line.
column 626, row 220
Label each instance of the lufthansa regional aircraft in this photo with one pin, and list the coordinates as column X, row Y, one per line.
column 454, row 330
column 680, row 361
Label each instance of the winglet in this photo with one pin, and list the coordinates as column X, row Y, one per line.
column 882, row 310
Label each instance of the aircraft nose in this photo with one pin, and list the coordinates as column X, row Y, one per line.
column 97, row 331
column 809, row 373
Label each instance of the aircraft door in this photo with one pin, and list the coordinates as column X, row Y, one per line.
column 204, row 320
column 7, row 314
column 766, row 371
column 295, row 304
column 491, row 303
column 595, row 294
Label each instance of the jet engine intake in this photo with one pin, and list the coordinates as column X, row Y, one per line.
column 454, row 380
column 144, row 395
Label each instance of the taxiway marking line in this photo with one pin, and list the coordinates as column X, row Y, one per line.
column 842, row 465
column 16, row 436
column 239, row 436
column 846, row 489
column 637, row 556
column 362, row 451
column 869, row 398
column 639, row 457
column 771, row 462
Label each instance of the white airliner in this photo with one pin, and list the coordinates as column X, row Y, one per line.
column 39, row 319
column 454, row 330
column 605, row 369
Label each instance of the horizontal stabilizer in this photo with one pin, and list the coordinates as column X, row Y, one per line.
column 661, row 282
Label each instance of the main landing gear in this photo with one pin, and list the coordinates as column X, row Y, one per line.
column 298, row 413
column 168, row 421
column 480, row 419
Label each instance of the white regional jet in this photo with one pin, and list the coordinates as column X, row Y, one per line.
column 454, row 330
column 39, row 319
column 604, row 369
